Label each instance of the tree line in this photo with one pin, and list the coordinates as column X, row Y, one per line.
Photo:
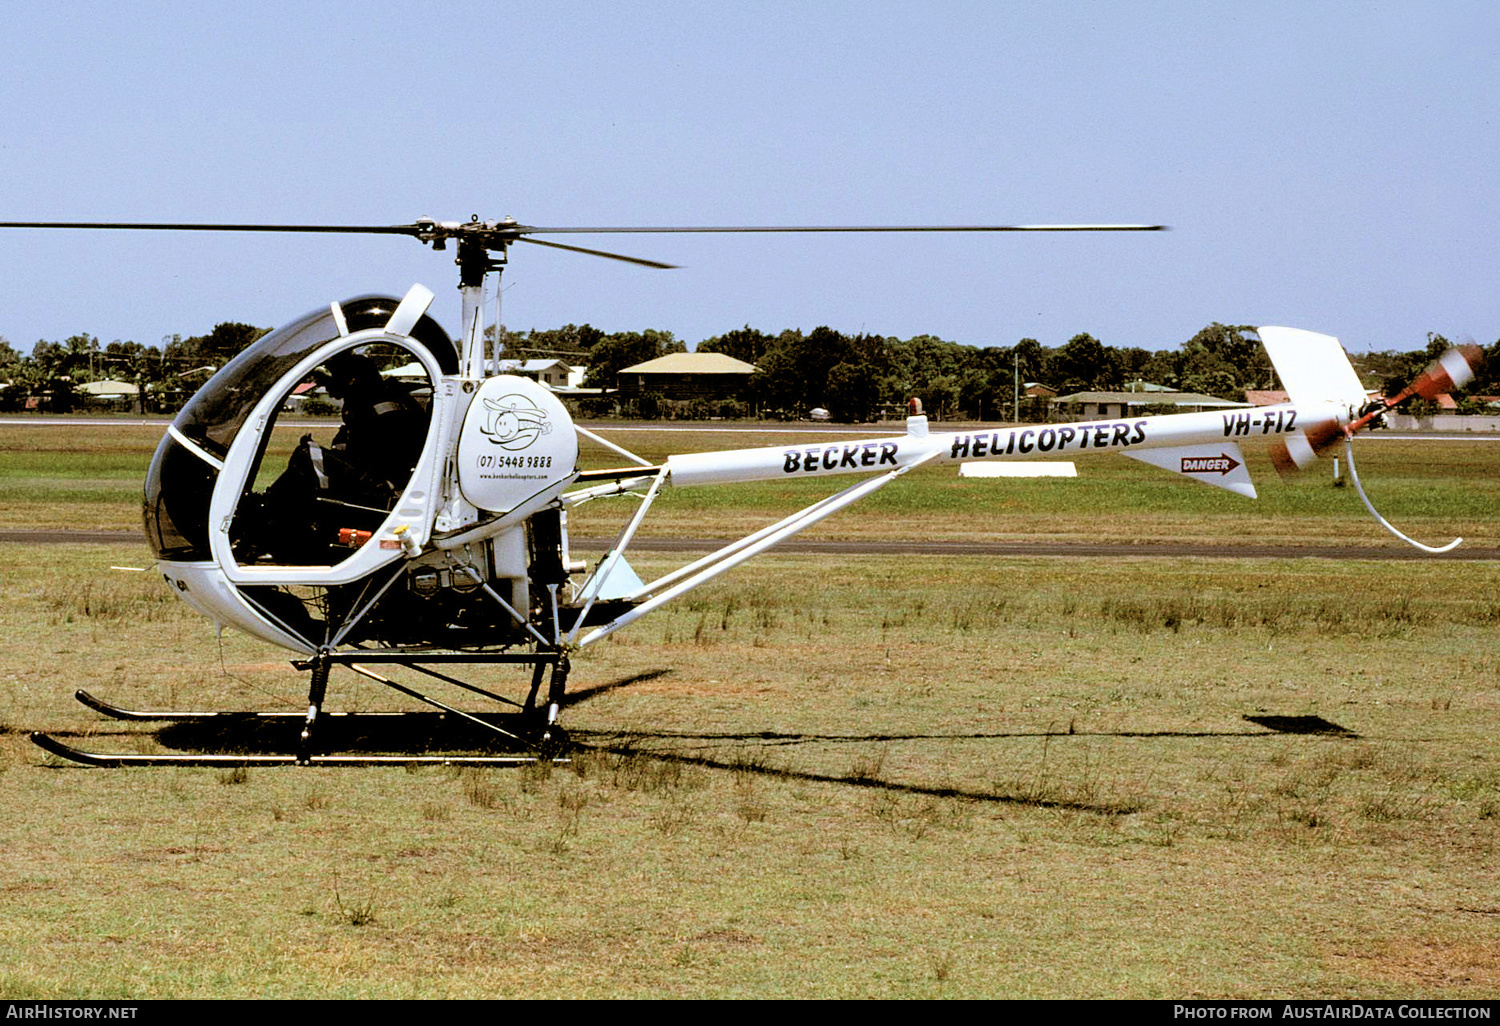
column 854, row 377
column 168, row 373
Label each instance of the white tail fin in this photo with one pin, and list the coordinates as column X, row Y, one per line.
column 1313, row 368
column 1315, row 371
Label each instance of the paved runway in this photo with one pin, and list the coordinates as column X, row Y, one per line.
column 1159, row 550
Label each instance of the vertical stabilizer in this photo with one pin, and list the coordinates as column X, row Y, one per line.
column 1313, row 368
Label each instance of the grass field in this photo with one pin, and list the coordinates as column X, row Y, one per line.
column 844, row 776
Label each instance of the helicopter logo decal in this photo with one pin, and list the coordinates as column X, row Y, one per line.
column 514, row 422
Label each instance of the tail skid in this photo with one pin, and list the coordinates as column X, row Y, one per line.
column 1382, row 521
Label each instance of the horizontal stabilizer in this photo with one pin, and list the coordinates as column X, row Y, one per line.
column 1220, row 464
column 1313, row 368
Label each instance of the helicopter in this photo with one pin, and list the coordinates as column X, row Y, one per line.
column 432, row 532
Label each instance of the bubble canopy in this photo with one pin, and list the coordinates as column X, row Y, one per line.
column 185, row 468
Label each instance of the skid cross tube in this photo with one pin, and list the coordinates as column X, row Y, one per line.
column 353, row 660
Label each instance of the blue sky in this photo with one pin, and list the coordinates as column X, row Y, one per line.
column 1327, row 166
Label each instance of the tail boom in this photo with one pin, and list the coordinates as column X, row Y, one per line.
column 1197, row 445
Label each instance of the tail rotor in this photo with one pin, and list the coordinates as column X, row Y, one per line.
column 1296, row 452
column 1449, row 372
column 1317, row 375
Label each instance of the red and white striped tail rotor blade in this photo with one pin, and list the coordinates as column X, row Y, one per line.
column 1291, row 454
column 1453, row 370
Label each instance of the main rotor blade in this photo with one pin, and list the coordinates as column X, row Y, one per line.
column 496, row 235
column 354, row 229
column 506, row 228
column 600, row 253
column 529, row 229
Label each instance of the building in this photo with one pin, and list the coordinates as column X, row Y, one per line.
column 1104, row 405
column 687, row 376
column 554, row 374
column 109, row 390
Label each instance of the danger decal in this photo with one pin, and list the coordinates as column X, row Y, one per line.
column 1221, row 464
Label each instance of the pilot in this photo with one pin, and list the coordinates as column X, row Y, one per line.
column 351, row 482
column 383, row 428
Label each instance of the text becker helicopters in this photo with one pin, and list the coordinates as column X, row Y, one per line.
column 434, row 529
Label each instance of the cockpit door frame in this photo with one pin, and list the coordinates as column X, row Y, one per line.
column 414, row 508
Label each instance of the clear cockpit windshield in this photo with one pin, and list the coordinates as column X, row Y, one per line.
column 320, row 486
column 185, row 469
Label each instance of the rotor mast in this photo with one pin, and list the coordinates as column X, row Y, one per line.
column 482, row 247
column 475, row 261
column 474, row 264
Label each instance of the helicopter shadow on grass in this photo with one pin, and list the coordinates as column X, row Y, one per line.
column 750, row 757
column 750, row 754
column 363, row 733
column 438, row 733
column 356, row 733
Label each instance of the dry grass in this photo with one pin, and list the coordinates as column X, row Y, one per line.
column 1055, row 796
column 833, row 777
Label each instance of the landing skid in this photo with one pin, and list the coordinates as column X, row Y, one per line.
column 116, row 712
column 101, row 760
column 532, row 726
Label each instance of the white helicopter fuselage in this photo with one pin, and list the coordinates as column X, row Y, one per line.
column 1202, row 446
column 484, row 506
column 495, row 451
